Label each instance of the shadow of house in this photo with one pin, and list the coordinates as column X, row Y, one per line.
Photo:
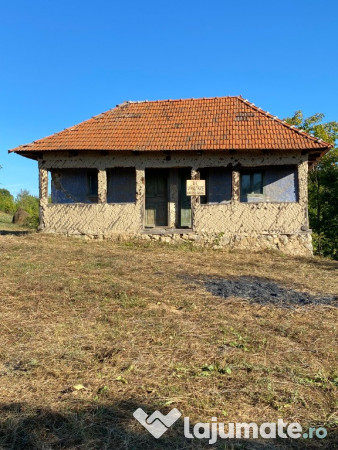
column 112, row 426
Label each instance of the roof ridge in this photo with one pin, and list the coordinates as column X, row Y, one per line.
column 177, row 99
column 284, row 123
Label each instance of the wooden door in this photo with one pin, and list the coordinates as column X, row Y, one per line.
column 184, row 200
column 156, row 198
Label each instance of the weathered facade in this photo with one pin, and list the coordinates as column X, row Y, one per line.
column 256, row 189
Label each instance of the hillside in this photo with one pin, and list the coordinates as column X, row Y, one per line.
column 92, row 330
column 6, row 225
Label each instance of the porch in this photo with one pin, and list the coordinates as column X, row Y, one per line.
column 145, row 194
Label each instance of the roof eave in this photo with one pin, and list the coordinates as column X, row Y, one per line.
column 27, row 154
column 35, row 152
column 315, row 155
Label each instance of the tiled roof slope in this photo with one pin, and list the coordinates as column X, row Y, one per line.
column 221, row 123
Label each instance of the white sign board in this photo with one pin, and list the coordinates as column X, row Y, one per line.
column 195, row 187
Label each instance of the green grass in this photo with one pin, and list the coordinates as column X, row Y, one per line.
column 7, row 225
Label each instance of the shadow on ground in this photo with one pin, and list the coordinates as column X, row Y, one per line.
column 265, row 292
column 113, row 427
column 14, row 232
column 323, row 263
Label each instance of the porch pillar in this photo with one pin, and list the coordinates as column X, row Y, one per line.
column 140, row 195
column 303, row 189
column 195, row 199
column 43, row 195
column 102, row 186
column 43, row 184
column 235, row 186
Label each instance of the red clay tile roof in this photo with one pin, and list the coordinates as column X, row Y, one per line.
column 221, row 123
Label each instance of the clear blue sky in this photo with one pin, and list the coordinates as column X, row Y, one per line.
column 62, row 62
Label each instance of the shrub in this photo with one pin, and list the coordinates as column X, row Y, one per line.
column 7, row 203
column 30, row 204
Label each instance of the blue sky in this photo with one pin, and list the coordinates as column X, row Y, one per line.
column 62, row 62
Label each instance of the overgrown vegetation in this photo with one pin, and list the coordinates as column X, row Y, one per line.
column 23, row 200
column 323, row 185
column 7, row 203
column 90, row 331
column 7, row 226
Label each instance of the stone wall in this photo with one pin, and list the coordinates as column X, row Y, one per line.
column 235, row 224
column 297, row 244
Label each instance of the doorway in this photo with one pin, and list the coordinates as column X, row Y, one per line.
column 156, row 204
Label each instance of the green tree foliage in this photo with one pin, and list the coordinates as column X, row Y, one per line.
column 323, row 185
column 30, row 204
column 7, row 203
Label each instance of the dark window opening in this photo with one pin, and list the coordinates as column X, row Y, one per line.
column 92, row 184
column 121, row 185
column 251, row 185
column 218, row 185
column 74, row 186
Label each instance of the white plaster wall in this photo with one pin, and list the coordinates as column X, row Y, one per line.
column 158, row 159
column 238, row 218
column 232, row 218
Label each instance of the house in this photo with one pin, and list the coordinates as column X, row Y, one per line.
column 124, row 173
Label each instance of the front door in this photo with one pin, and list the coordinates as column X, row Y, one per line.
column 184, row 200
column 156, row 198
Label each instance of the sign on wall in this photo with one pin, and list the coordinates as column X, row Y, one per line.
column 195, row 187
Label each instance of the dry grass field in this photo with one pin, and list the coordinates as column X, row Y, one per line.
column 92, row 330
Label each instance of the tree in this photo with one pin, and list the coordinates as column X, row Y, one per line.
column 323, row 185
column 30, row 204
column 7, row 203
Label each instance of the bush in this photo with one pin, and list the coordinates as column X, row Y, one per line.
column 30, row 204
column 7, row 203
column 325, row 245
column 323, row 185
column 323, row 205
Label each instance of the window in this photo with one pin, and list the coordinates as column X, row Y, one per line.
column 217, row 185
column 121, row 185
column 281, row 184
column 251, row 185
column 274, row 184
column 74, row 186
column 92, row 183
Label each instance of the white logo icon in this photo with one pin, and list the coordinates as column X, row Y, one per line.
column 157, row 424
